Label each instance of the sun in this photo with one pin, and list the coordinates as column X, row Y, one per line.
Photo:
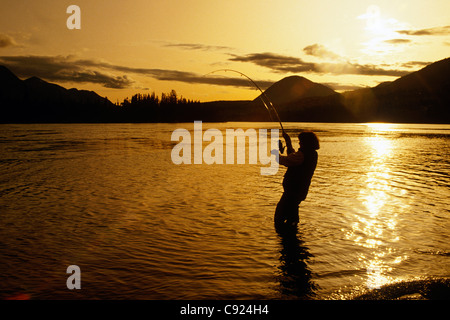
column 379, row 30
column 377, row 24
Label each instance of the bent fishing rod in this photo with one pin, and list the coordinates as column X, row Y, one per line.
column 263, row 95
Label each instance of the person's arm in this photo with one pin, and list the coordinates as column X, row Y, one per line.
column 281, row 147
column 286, row 137
column 293, row 159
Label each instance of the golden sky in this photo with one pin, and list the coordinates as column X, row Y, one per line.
column 125, row 47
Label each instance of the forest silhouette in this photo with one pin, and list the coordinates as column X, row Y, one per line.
column 152, row 108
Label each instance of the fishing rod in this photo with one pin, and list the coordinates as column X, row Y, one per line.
column 263, row 95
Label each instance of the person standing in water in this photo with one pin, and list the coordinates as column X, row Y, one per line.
column 300, row 169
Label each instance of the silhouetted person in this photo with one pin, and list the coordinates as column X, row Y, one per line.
column 300, row 169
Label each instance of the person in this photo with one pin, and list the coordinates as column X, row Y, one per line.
column 301, row 165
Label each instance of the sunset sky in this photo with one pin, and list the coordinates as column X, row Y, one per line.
column 125, row 47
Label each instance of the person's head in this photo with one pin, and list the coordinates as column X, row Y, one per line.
column 308, row 140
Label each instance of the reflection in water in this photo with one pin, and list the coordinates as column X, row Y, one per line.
column 295, row 277
column 376, row 225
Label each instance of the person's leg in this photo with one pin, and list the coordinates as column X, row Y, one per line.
column 279, row 217
column 286, row 213
column 292, row 217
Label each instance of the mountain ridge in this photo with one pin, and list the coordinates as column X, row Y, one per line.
column 36, row 100
column 293, row 88
column 421, row 96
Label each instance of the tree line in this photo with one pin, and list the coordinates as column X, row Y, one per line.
column 152, row 100
column 152, row 108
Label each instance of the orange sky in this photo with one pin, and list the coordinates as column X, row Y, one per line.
column 125, row 47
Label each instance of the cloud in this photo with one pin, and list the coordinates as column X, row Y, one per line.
column 343, row 87
column 64, row 69
column 415, row 64
column 73, row 69
column 177, row 75
column 6, row 41
column 108, row 81
column 276, row 62
column 397, row 41
column 436, row 31
column 197, row 46
column 279, row 63
column 373, row 70
column 320, row 51
column 70, row 69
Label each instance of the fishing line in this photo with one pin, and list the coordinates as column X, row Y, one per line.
column 263, row 95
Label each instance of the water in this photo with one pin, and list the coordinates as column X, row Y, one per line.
column 109, row 199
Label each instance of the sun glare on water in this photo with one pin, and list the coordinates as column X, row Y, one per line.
column 381, row 126
column 381, row 204
column 380, row 146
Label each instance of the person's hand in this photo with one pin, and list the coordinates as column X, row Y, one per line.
column 280, row 146
column 289, row 147
column 286, row 136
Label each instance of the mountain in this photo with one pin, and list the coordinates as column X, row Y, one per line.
column 299, row 99
column 11, row 87
column 294, row 88
column 35, row 100
column 422, row 96
column 7, row 78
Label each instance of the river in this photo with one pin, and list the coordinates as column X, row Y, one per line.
column 109, row 199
